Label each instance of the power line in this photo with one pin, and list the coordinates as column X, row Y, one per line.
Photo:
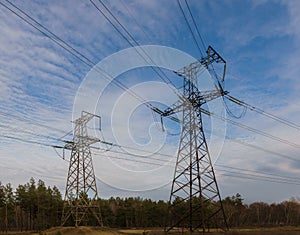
column 79, row 55
column 153, row 153
column 227, row 138
column 259, row 172
column 29, row 141
column 33, row 133
column 63, row 44
column 263, row 149
column 145, row 151
column 132, row 148
column 212, row 69
column 128, row 159
column 56, row 39
column 242, row 173
column 251, row 177
column 283, row 179
column 30, row 121
column 261, row 111
column 136, row 42
column 251, row 129
column 263, row 175
column 168, row 82
column 171, row 156
column 260, row 176
column 130, row 154
column 127, row 147
column 135, row 20
column 231, row 173
column 189, row 27
column 195, row 24
column 242, row 114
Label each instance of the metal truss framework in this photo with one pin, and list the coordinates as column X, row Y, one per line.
column 195, row 202
column 81, row 190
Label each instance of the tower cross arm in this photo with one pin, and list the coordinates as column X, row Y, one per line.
column 196, row 100
column 212, row 56
column 174, row 108
column 206, row 96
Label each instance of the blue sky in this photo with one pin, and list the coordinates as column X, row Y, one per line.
column 39, row 82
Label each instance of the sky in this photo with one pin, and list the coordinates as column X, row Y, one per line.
column 43, row 87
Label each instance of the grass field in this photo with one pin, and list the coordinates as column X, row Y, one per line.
column 106, row 231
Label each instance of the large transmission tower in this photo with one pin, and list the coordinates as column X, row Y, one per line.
column 195, row 201
column 81, row 191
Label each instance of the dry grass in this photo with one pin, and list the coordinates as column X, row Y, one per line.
column 17, row 233
column 80, row 231
column 134, row 231
column 106, row 231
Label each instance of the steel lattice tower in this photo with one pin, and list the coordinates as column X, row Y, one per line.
column 81, row 191
column 195, row 201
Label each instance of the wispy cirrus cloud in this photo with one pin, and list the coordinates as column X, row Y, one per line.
column 39, row 79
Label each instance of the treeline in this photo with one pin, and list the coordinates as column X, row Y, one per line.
column 137, row 212
column 35, row 206
column 261, row 213
column 32, row 206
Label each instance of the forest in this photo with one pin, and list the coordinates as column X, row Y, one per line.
column 35, row 206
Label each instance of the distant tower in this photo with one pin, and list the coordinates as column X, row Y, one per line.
column 195, row 201
column 81, row 190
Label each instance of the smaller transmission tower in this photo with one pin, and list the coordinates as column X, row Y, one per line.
column 81, row 191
